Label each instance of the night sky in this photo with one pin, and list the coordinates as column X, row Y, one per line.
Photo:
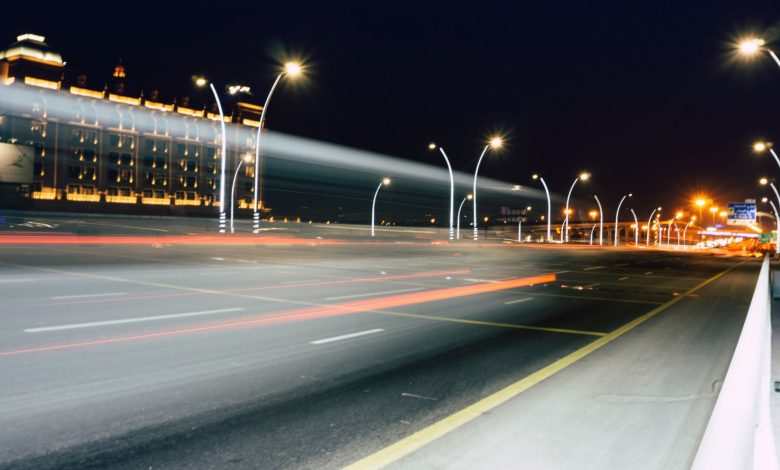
column 645, row 95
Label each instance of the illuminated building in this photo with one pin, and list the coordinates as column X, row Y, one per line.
column 114, row 147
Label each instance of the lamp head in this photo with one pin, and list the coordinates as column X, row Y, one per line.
column 496, row 142
column 432, row 146
column 247, row 158
column 292, row 69
column 763, row 199
column 701, row 202
column 469, row 196
column 201, row 81
column 584, row 176
column 761, row 146
column 763, row 181
column 750, row 46
column 385, row 181
column 535, row 176
column 659, row 209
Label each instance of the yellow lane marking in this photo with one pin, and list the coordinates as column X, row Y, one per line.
column 488, row 323
column 406, row 446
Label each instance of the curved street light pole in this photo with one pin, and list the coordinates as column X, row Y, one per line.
column 685, row 231
column 777, row 228
column 617, row 216
column 255, row 209
column 565, row 226
column 452, row 190
column 233, row 194
column 457, row 233
column 601, row 221
column 649, row 223
column 549, row 206
column 591, row 233
column 636, row 228
column 222, row 215
column 474, row 192
column 373, row 203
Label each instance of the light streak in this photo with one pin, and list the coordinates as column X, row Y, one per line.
column 307, row 313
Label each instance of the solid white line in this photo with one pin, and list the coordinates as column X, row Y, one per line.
column 4, row 281
column 341, row 297
column 623, row 278
column 74, row 326
column 518, row 300
column 481, row 280
column 562, row 272
column 86, row 296
column 594, row 267
column 351, row 335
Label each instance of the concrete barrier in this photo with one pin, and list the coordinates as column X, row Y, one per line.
column 739, row 434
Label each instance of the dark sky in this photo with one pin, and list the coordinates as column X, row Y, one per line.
column 644, row 94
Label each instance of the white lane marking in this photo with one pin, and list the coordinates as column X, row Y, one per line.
column 87, row 296
column 562, row 272
column 623, row 278
column 648, row 273
column 25, row 279
column 74, row 326
column 351, row 335
column 481, row 280
column 421, row 397
column 518, row 300
column 341, row 297
column 303, row 281
column 594, row 267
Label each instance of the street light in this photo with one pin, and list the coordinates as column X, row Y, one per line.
column 565, row 228
column 246, row 159
column 601, row 221
column 749, row 47
column 649, row 223
column 495, row 142
column 468, row 196
column 291, row 69
column 385, row 182
column 685, row 230
column 549, row 206
column 700, row 203
column 432, row 146
column 200, row 81
column 617, row 215
column 777, row 227
column 763, row 146
column 636, row 228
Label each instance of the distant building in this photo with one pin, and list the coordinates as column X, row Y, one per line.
column 107, row 145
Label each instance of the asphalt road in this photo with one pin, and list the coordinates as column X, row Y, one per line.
column 311, row 349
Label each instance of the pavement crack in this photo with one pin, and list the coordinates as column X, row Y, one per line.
column 661, row 398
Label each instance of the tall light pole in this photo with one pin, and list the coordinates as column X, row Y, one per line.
column 549, row 205
column 468, row 196
column 432, row 146
column 247, row 159
column 700, row 204
column 384, row 182
column 291, row 69
column 601, row 221
column 565, row 226
column 685, row 231
column 649, row 223
column 760, row 147
column 636, row 228
column 617, row 215
column 200, row 81
column 777, row 229
column 749, row 47
column 764, row 182
column 495, row 142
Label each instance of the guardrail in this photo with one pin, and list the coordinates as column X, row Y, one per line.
column 739, row 434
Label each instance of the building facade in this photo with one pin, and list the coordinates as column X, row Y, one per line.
column 105, row 146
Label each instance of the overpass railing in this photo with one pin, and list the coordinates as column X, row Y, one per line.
column 739, row 433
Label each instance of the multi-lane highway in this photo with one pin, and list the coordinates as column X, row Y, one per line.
column 129, row 343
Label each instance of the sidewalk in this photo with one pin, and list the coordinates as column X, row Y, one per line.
column 641, row 402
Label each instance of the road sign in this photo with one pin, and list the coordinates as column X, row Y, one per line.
column 741, row 213
column 766, row 237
